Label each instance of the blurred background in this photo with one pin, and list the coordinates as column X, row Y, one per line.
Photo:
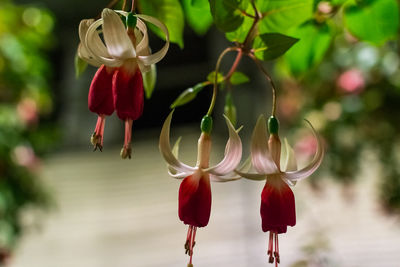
column 63, row 205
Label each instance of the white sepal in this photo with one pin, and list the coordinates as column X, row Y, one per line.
column 260, row 156
column 290, row 163
column 314, row 164
column 233, row 153
column 156, row 57
column 165, row 149
column 117, row 40
column 224, row 179
column 252, row 176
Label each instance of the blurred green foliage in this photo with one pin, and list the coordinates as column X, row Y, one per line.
column 25, row 99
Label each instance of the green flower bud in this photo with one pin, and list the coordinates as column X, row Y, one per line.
column 273, row 125
column 206, row 124
column 131, row 20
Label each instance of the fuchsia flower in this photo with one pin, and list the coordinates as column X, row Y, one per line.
column 122, row 58
column 195, row 189
column 277, row 199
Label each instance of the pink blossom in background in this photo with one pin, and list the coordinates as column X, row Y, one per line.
column 325, row 7
column 26, row 157
column 306, row 146
column 351, row 81
column 27, row 111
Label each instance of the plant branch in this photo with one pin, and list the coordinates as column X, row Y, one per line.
column 133, row 6
column 235, row 65
column 215, row 88
column 264, row 71
column 250, row 35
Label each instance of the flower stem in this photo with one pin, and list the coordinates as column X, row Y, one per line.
column 215, row 88
column 124, row 5
column 251, row 33
column 112, row 3
column 133, row 6
column 264, row 71
column 235, row 65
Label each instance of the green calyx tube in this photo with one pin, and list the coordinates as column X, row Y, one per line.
column 131, row 20
column 206, row 124
column 273, row 125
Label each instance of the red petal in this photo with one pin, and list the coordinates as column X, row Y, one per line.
column 195, row 200
column 277, row 206
column 100, row 98
column 128, row 94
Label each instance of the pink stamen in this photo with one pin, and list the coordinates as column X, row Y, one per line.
column 276, row 253
column 192, row 243
column 126, row 149
column 97, row 137
column 270, row 247
column 273, row 248
column 188, row 238
column 128, row 133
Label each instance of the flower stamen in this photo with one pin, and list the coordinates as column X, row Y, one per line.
column 126, row 150
column 190, row 243
column 97, row 137
column 270, row 248
column 273, row 248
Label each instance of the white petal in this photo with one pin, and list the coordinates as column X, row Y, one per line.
column 156, row 57
column 175, row 152
column 96, row 47
column 142, row 48
column 313, row 166
column 86, row 56
column 233, row 153
column 260, row 156
column 83, row 28
column 117, row 40
column 179, row 175
column 166, row 152
column 290, row 163
column 252, row 176
column 223, row 179
column 289, row 182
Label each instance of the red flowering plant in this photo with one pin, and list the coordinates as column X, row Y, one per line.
column 122, row 58
column 195, row 189
column 277, row 199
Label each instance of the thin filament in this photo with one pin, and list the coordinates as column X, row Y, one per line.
column 215, row 88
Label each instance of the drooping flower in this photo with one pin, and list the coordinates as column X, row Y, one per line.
column 122, row 58
column 195, row 189
column 277, row 199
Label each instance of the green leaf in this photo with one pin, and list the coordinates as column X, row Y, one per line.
column 269, row 46
column 239, row 78
column 239, row 35
column 80, row 66
column 198, row 15
column 187, row 95
column 149, row 80
column 170, row 13
column 211, row 77
column 226, row 14
column 375, row 21
column 315, row 40
column 281, row 15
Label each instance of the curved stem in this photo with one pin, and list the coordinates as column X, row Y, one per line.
column 215, row 88
column 133, row 6
column 263, row 70
column 124, row 5
column 251, row 33
column 235, row 65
